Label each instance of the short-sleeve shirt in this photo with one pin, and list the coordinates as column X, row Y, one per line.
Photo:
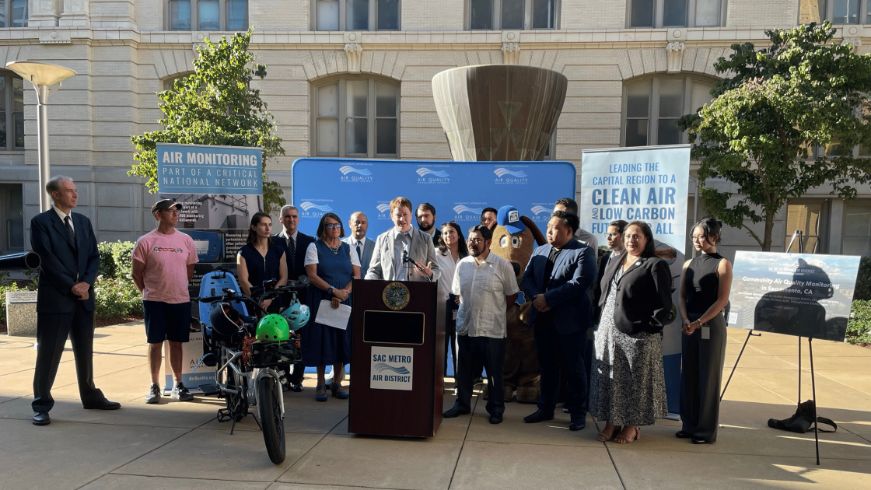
column 482, row 289
column 311, row 255
column 166, row 259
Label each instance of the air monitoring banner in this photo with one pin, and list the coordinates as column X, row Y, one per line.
column 647, row 184
column 807, row 295
column 458, row 190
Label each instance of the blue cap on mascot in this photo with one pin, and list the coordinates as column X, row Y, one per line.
column 509, row 217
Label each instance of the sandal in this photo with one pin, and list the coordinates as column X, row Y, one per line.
column 623, row 437
column 605, row 435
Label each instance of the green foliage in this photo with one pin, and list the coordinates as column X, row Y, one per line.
column 859, row 326
column 116, row 259
column 802, row 92
column 214, row 105
column 863, row 281
column 117, row 298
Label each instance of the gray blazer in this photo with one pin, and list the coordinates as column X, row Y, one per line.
column 368, row 248
column 421, row 251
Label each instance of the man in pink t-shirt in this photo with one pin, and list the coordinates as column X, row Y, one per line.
column 163, row 265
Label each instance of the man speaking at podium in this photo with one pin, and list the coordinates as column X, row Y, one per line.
column 403, row 253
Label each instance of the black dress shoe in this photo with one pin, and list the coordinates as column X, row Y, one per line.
column 538, row 416
column 455, row 411
column 496, row 419
column 577, row 425
column 682, row 434
column 296, row 387
column 103, row 404
column 701, row 440
column 41, row 418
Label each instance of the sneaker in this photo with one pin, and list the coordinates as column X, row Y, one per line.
column 181, row 393
column 153, row 395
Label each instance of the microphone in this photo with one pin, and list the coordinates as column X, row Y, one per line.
column 405, row 258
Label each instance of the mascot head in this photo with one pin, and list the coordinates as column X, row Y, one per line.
column 515, row 237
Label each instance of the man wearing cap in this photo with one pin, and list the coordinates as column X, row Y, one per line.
column 163, row 265
column 67, row 249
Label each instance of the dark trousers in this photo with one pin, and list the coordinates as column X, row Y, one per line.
column 451, row 335
column 477, row 353
column 52, row 331
column 561, row 352
column 700, row 377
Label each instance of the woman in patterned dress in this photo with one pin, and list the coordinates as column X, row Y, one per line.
column 704, row 294
column 628, row 384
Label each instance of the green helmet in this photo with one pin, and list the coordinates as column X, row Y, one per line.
column 272, row 328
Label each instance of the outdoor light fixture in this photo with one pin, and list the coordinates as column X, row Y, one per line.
column 42, row 76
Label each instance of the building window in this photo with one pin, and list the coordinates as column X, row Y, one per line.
column 13, row 13
column 653, row 105
column 676, row 13
column 846, row 11
column 807, row 217
column 357, row 15
column 356, row 117
column 491, row 15
column 208, row 15
column 857, row 228
column 11, row 112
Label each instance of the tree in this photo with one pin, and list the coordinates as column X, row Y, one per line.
column 770, row 117
column 214, row 105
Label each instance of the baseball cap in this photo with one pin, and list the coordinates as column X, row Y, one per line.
column 509, row 217
column 165, row 204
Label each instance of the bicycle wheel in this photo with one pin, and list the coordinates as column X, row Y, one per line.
column 237, row 403
column 271, row 420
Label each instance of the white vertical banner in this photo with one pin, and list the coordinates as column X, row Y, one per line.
column 644, row 183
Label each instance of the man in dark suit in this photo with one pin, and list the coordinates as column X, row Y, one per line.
column 295, row 244
column 557, row 280
column 67, row 248
column 359, row 224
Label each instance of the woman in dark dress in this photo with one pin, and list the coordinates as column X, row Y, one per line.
column 330, row 264
column 704, row 294
column 260, row 259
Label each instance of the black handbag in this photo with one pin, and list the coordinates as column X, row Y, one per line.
column 802, row 420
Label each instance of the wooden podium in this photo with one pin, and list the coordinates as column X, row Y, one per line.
column 397, row 358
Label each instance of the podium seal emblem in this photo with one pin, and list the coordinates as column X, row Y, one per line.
column 396, row 296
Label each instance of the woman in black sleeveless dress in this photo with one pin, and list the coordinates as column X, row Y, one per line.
column 704, row 294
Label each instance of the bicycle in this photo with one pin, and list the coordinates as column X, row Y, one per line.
column 248, row 351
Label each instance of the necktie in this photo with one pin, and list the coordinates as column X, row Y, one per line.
column 70, row 232
column 291, row 248
column 359, row 253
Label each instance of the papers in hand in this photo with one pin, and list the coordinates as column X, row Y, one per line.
column 333, row 317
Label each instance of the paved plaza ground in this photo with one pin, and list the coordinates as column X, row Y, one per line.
column 181, row 445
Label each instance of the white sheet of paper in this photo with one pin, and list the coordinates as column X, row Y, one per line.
column 336, row 318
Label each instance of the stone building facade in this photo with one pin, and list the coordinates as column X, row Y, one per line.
column 352, row 78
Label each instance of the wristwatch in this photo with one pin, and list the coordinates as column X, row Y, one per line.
column 330, row 292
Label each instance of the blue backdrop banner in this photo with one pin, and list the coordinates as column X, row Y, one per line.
column 458, row 190
column 197, row 169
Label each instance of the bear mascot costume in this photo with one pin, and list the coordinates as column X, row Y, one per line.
column 514, row 239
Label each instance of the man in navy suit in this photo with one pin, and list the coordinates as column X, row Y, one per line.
column 295, row 243
column 557, row 280
column 67, row 248
column 359, row 224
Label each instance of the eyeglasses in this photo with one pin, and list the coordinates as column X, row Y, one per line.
column 332, row 226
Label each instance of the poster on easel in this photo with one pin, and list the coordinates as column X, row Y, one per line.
column 805, row 295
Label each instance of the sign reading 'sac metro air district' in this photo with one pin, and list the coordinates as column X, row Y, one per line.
column 391, row 368
column 647, row 184
column 458, row 190
column 196, row 169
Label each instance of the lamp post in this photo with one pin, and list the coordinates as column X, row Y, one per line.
column 41, row 76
